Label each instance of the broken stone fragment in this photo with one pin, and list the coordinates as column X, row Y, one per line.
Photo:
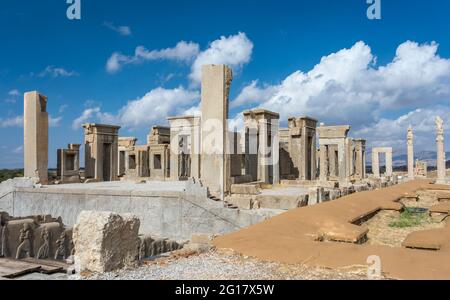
column 105, row 241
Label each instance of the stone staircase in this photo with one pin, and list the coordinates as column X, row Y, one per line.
column 226, row 204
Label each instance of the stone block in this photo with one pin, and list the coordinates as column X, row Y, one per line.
column 105, row 241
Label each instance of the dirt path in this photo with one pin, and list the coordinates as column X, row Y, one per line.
column 292, row 237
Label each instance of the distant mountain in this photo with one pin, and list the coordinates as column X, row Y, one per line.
column 427, row 156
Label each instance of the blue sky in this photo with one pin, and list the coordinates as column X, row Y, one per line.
column 320, row 58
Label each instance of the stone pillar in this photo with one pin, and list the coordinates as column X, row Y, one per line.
column 215, row 162
column 275, row 152
column 323, row 163
column 375, row 164
column 342, row 162
column 410, row 139
column 389, row 170
column 263, row 152
column 35, row 136
column 360, row 158
column 441, row 163
column 333, row 172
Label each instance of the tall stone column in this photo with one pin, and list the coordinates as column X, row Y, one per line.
column 389, row 170
column 215, row 162
column 376, row 164
column 410, row 138
column 275, row 151
column 441, row 164
column 342, row 162
column 35, row 127
column 263, row 152
column 323, row 163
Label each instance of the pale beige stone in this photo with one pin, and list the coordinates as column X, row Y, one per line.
column 215, row 162
column 36, row 137
column 262, row 145
column 441, row 165
column 410, row 144
column 105, row 241
column 101, row 152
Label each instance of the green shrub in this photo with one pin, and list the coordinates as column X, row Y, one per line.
column 410, row 218
column 9, row 174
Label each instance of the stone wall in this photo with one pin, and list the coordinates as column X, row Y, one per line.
column 176, row 215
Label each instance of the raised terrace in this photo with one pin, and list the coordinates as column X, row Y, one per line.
column 334, row 235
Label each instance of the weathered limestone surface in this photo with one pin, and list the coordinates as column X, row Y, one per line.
column 302, row 147
column 105, row 241
column 410, row 138
column 334, row 153
column 101, row 152
column 441, row 167
column 185, row 147
column 215, row 162
column 68, row 164
column 36, row 136
column 262, row 145
column 171, row 214
column 376, row 161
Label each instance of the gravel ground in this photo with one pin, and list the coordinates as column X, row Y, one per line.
column 221, row 266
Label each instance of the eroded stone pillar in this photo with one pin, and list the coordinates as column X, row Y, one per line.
column 389, row 169
column 323, row 163
column 441, row 165
column 35, row 127
column 375, row 164
column 410, row 138
column 215, row 162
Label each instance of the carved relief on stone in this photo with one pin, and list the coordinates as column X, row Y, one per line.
column 61, row 247
column 25, row 236
column 44, row 250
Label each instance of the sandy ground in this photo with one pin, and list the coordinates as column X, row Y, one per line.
column 292, row 238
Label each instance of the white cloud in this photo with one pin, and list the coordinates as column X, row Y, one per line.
column 54, row 122
column 63, row 108
column 93, row 114
column 346, row 87
column 234, row 51
column 55, row 72
column 154, row 107
column 392, row 132
column 14, row 93
column 18, row 150
column 11, row 122
column 183, row 52
column 122, row 30
column 252, row 94
column 18, row 122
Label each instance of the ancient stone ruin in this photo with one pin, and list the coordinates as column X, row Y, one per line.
column 193, row 177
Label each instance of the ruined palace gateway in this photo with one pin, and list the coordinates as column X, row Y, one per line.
column 101, row 152
column 441, row 164
column 376, row 161
column 35, row 126
column 215, row 161
column 359, row 158
column 68, row 164
column 302, row 147
column 262, row 145
column 158, row 142
column 185, row 147
column 126, row 145
column 334, row 153
column 410, row 138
